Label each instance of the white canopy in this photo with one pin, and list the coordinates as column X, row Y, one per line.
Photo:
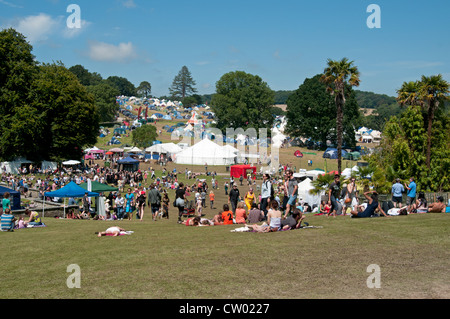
column 135, row 150
column 71, row 162
column 164, row 148
column 205, row 151
column 304, row 194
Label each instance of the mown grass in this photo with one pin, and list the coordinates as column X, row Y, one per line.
column 164, row 259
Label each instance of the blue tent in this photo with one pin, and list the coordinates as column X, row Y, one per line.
column 70, row 190
column 14, row 197
column 332, row 153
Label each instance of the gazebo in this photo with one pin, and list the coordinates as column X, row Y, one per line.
column 129, row 164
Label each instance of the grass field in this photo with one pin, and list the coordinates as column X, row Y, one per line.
column 164, row 259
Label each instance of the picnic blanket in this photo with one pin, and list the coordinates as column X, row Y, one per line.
column 30, row 226
column 246, row 229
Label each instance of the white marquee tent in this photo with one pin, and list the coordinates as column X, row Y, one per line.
column 303, row 192
column 203, row 152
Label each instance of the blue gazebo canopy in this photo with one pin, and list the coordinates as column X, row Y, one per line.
column 70, row 190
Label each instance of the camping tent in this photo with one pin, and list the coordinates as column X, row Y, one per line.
column 14, row 197
column 298, row 154
column 241, row 170
column 333, row 154
column 353, row 156
column 205, row 151
column 303, row 193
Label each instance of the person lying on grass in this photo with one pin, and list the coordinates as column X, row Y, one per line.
column 112, row 231
column 437, row 207
column 195, row 221
column 371, row 207
column 293, row 221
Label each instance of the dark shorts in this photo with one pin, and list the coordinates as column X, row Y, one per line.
column 410, row 200
column 155, row 207
column 396, row 199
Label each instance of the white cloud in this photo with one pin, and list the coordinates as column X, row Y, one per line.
column 202, row 62
column 9, row 4
column 129, row 4
column 101, row 51
column 37, row 28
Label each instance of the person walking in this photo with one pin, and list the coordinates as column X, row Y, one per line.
column 154, row 200
column 233, row 198
column 292, row 192
column 266, row 187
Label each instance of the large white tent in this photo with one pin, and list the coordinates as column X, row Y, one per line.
column 13, row 167
column 164, row 148
column 207, row 152
column 304, row 193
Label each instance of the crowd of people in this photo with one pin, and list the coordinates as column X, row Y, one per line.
column 274, row 206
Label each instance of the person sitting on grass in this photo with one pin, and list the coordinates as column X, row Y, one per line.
column 111, row 231
column 217, row 219
column 7, row 220
column 227, row 215
column 33, row 219
column 273, row 220
column 437, row 207
column 255, row 215
column 241, row 214
column 371, row 207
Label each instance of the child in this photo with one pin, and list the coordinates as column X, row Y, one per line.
column 211, row 199
column 227, row 215
column 199, row 206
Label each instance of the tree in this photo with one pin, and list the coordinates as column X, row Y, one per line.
column 336, row 76
column 183, row 84
column 402, row 150
column 311, row 113
column 124, row 86
column 144, row 136
column 433, row 91
column 105, row 100
column 68, row 111
column 242, row 100
column 84, row 76
column 144, row 89
column 20, row 123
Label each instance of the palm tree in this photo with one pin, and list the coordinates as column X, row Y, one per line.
column 433, row 91
column 429, row 93
column 337, row 75
column 408, row 93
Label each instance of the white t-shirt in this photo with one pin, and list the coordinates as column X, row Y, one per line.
column 113, row 229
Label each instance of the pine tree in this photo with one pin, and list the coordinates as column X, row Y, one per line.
column 183, row 84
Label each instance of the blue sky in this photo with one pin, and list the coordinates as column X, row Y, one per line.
column 282, row 41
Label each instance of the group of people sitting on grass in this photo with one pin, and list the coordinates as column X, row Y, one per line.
column 274, row 221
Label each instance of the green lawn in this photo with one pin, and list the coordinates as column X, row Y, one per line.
column 164, row 259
